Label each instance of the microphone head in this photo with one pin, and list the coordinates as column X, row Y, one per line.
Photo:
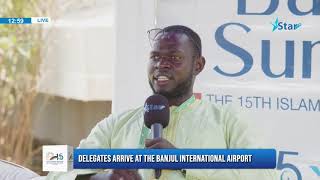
column 156, row 110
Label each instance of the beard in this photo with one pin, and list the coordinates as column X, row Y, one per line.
column 180, row 90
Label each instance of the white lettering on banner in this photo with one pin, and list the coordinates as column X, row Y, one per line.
column 202, row 158
column 149, row 158
column 94, row 158
column 239, row 158
column 166, row 158
column 122, row 158
column 267, row 102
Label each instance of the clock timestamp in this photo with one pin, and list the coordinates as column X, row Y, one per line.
column 15, row 20
column 25, row 20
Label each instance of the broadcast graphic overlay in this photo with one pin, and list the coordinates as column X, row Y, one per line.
column 62, row 158
column 25, row 20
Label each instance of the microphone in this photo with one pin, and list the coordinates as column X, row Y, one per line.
column 156, row 117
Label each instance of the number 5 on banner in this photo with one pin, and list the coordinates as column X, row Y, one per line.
column 282, row 165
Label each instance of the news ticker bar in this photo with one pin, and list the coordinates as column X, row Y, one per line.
column 25, row 20
column 174, row 159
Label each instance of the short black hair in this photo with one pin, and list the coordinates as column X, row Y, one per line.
column 192, row 35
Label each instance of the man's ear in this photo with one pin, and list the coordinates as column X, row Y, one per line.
column 199, row 64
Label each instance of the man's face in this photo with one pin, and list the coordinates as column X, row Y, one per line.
column 170, row 67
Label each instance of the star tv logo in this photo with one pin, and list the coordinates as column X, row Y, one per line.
column 316, row 169
column 284, row 26
column 153, row 107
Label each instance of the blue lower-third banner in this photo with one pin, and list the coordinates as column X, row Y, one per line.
column 174, row 159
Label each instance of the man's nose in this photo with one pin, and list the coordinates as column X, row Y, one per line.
column 164, row 63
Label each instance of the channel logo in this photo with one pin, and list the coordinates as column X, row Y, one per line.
column 285, row 26
column 57, row 158
column 50, row 156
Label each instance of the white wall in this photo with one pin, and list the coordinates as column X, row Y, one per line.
column 133, row 19
column 79, row 51
column 65, row 121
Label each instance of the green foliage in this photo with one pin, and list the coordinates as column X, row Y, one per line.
column 19, row 69
column 19, row 53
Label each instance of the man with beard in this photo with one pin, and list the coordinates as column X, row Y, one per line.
column 175, row 61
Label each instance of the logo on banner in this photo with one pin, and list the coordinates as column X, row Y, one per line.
column 284, row 26
column 265, row 60
column 316, row 169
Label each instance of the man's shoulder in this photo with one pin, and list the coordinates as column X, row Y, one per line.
column 126, row 115
column 131, row 112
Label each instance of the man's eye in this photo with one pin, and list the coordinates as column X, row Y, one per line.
column 155, row 57
column 176, row 58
